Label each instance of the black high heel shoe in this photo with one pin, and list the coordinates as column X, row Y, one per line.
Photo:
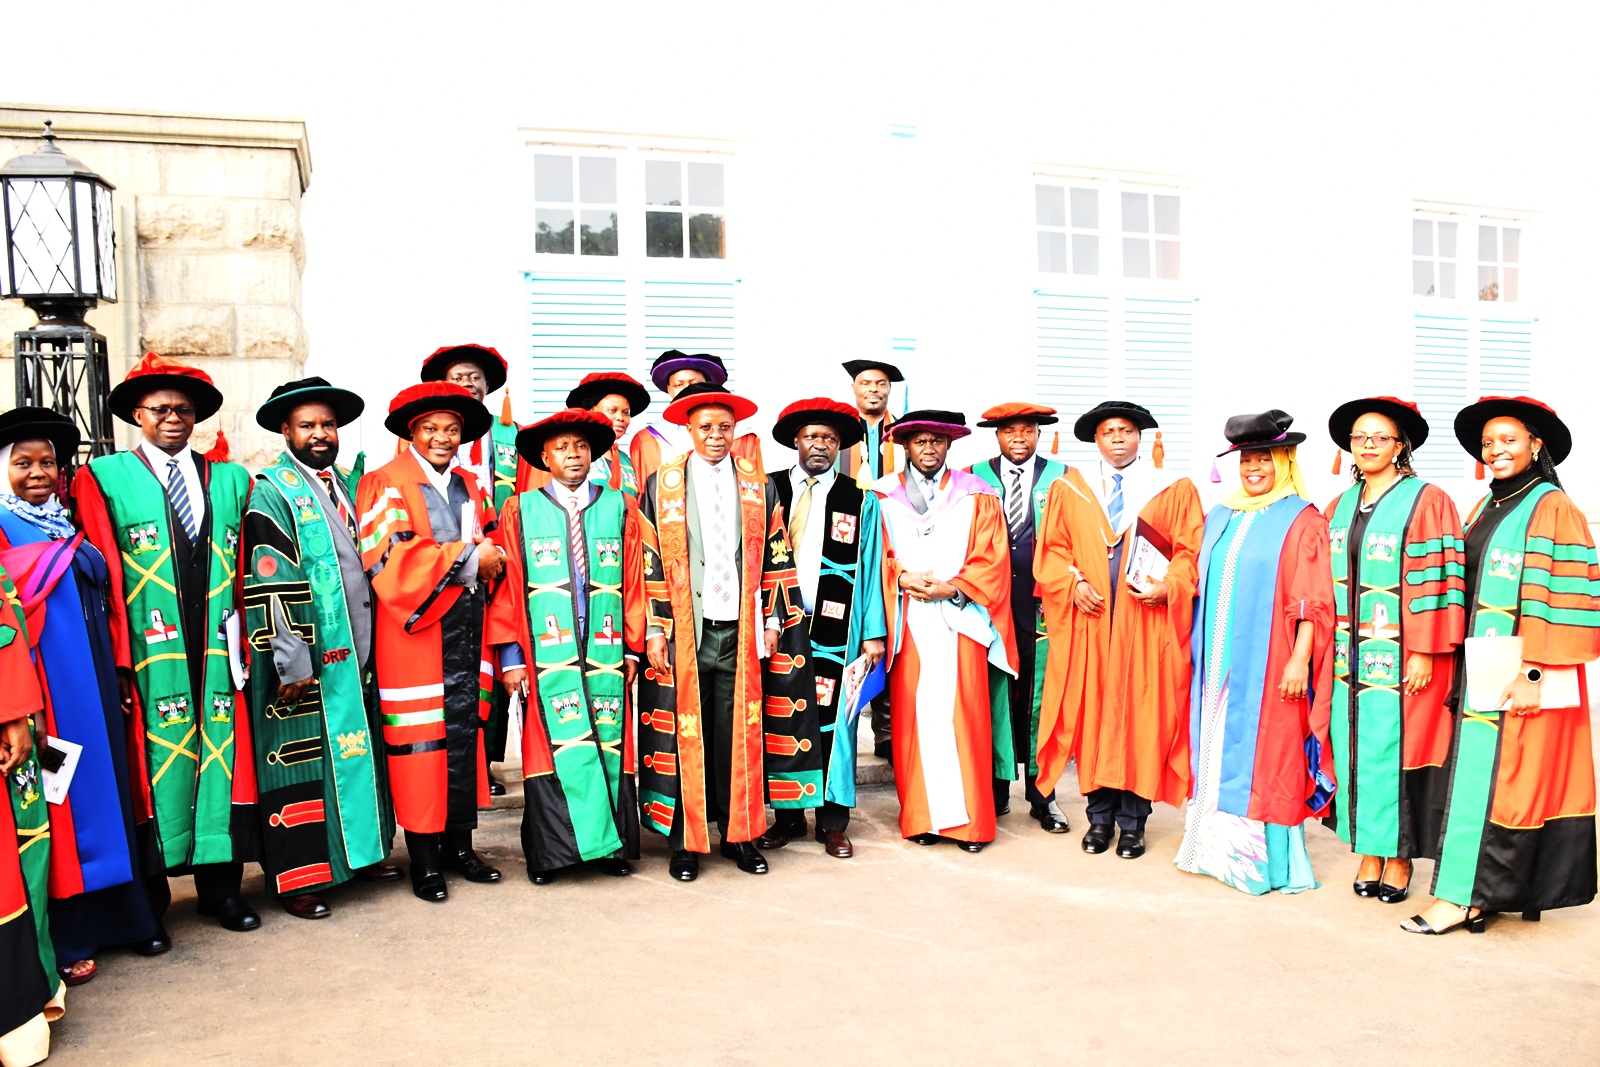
column 1369, row 889
column 1389, row 894
column 1418, row 925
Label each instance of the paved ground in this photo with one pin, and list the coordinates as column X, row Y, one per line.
column 1031, row 950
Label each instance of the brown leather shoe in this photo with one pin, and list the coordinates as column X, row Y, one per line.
column 307, row 906
column 835, row 843
column 780, row 835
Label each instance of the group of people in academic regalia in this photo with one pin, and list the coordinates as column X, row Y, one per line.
column 202, row 668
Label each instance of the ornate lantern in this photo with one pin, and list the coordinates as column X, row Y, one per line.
column 60, row 260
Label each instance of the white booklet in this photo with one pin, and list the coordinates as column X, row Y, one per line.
column 57, row 782
column 1492, row 663
column 232, row 627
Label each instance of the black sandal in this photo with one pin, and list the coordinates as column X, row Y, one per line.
column 1419, row 925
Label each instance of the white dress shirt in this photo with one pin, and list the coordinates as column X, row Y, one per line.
column 808, row 552
column 1141, row 483
column 713, row 483
column 186, row 467
column 483, row 471
column 1006, row 477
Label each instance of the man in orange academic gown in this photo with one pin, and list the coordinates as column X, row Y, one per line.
column 661, row 440
column 425, row 521
column 1116, row 684
column 947, row 590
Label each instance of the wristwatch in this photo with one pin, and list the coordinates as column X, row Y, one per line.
column 1532, row 674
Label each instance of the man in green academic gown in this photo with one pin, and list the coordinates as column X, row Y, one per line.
column 308, row 608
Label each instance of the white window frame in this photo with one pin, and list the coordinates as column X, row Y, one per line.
column 578, row 205
column 1468, row 218
column 1111, row 185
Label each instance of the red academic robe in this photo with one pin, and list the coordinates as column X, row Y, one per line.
column 411, row 579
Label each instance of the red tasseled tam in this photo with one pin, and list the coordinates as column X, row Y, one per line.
column 426, row 391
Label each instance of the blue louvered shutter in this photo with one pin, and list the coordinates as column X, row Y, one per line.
column 576, row 325
column 1441, row 375
column 1505, row 356
column 691, row 316
column 1072, row 347
column 1158, row 361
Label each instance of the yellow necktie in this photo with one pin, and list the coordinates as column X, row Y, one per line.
column 802, row 511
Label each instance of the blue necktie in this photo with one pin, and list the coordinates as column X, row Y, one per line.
column 178, row 493
column 1115, row 509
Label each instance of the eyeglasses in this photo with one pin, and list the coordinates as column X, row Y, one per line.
column 161, row 411
column 1382, row 440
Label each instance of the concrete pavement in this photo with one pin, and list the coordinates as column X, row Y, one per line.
column 1029, row 951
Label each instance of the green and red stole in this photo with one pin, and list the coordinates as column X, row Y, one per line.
column 325, row 739
column 1041, row 640
column 1369, row 664
column 581, row 700
column 189, row 736
column 1496, row 607
column 503, row 462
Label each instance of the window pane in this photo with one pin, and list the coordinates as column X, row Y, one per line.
column 1052, row 250
column 1447, row 240
column 553, row 229
column 1167, row 215
column 1086, row 209
column 552, row 179
column 1509, row 293
column 1085, row 253
column 597, row 179
column 663, row 234
column 1511, row 242
column 1488, row 283
column 706, row 237
column 1050, row 205
column 1488, row 251
column 1421, row 237
column 1422, row 277
column 663, row 182
column 1447, row 280
column 705, row 185
column 599, row 233
column 1135, row 254
column 1136, row 215
column 1167, row 259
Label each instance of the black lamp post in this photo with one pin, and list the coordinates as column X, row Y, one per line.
column 60, row 260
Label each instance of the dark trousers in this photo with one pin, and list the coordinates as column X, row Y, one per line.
column 425, row 849
column 880, row 719
column 1130, row 810
column 213, row 883
column 1020, row 690
column 717, row 660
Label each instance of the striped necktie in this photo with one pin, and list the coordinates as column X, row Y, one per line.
column 338, row 501
column 182, row 506
column 1114, row 509
column 1016, row 501
column 580, row 557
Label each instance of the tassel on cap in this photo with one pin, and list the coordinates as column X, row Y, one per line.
column 220, row 452
column 1338, row 460
column 1216, row 475
column 1479, row 473
column 1055, row 442
column 1158, row 453
column 505, row 410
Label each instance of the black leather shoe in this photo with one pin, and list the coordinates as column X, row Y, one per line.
column 1098, row 839
column 924, row 839
column 496, row 789
column 614, row 867
column 543, row 877
column 745, row 855
column 427, row 882
column 1388, row 894
column 884, row 750
column 471, row 867
column 307, row 906
column 971, row 846
column 380, row 872
column 1049, row 817
column 1366, row 889
column 685, row 866
column 781, row 835
column 232, row 913
column 1130, row 844
column 154, row 946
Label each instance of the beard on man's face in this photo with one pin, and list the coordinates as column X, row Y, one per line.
column 317, row 460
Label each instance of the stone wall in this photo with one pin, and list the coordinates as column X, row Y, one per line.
column 209, row 250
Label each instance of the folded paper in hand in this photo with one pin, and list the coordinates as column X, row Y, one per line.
column 1148, row 556
column 1494, row 662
